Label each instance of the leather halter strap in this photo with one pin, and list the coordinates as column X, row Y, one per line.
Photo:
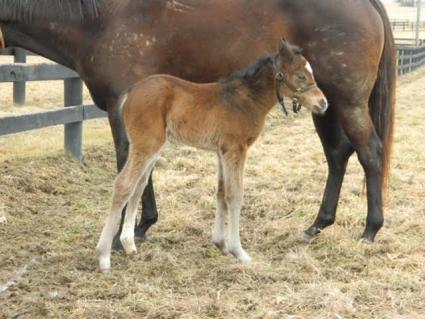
column 2, row 42
column 280, row 79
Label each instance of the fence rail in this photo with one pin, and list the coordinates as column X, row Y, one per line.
column 72, row 116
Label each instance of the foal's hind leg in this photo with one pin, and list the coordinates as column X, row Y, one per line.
column 127, row 234
column 218, row 236
column 337, row 149
column 233, row 165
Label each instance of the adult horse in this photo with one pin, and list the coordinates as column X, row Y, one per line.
column 114, row 43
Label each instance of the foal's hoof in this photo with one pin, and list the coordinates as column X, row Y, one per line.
column 241, row 255
column 222, row 246
column 244, row 258
column 105, row 264
column 129, row 246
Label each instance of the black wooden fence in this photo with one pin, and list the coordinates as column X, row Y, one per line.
column 410, row 58
column 72, row 115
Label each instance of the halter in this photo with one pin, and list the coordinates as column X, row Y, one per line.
column 2, row 42
column 281, row 79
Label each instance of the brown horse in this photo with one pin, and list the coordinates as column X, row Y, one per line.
column 225, row 117
column 114, row 43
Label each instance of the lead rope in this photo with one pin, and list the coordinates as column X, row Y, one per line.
column 2, row 42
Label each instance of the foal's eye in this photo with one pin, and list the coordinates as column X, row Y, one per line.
column 301, row 77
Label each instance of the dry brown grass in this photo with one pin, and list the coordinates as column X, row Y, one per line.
column 55, row 209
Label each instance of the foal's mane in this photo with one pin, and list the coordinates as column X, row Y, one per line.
column 249, row 72
column 58, row 10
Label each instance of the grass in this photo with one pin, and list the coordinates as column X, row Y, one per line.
column 55, row 209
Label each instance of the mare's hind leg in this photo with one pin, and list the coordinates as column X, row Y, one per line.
column 218, row 236
column 360, row 130
column 124, row 186
column 127, row 234
column 337, row 149
column 233, row 165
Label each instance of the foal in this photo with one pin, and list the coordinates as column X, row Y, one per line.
column 225, row 117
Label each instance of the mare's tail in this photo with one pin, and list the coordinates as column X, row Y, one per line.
column 382, row 99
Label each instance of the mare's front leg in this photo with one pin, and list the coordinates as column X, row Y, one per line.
column 337, row 150
column 233, row 162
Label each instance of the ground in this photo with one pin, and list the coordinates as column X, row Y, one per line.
column 55, row 208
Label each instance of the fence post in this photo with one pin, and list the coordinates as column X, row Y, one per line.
column 74, row 131
column 19, row 88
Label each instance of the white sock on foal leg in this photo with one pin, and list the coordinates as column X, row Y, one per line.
column 234, row 242
column 127, row 234
column 233, row 182
column 103, row 247
column 218, row 236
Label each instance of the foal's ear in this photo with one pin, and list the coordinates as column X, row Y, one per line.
column 285, row 50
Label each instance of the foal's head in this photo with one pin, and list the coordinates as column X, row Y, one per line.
column 295, row 79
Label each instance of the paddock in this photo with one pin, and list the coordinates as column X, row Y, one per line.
column 55, row 207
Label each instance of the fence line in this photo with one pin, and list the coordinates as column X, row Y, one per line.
column 409, row 58
column 406, row 25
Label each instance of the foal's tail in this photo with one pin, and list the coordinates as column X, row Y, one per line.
column 382, row 99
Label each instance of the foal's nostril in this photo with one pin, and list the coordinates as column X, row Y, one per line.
column 323, row 104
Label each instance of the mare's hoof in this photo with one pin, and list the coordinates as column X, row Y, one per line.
column 365, row 240
column 312, row 231
column 368, row 236
column 307, row 238
column 140, row 235
column 116, row 244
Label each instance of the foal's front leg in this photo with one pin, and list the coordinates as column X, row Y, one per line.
column 127, row 234
column 218, row 236
column 233, row 166
column 124, row 187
